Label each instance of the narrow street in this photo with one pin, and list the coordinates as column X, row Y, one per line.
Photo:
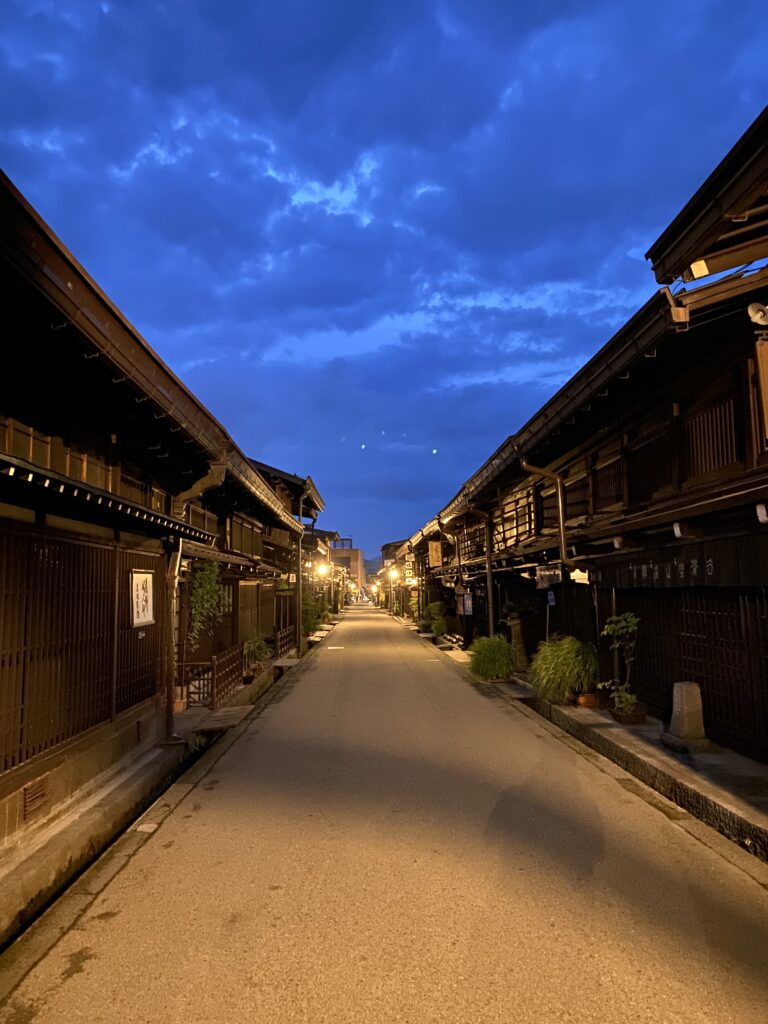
column 387, row 842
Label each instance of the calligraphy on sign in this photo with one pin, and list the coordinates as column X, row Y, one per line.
column 142, row 598
column 435, row 554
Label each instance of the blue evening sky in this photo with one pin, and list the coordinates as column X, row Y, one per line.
column 373, row 236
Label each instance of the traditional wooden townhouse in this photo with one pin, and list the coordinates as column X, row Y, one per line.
column 115, row 484
column 642, row 485
column 302, row 499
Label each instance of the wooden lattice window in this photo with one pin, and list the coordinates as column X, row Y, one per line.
column 608, row 485
column 577, row 499
column 548, row 505
column 710, row 439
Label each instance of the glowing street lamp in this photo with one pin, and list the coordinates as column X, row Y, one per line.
column 393, row 575
column 324, row 569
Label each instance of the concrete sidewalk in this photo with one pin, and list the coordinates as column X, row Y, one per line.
column 48, row 858
column 725, row 790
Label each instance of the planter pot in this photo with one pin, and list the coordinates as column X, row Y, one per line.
column 587, row 700
column 634, row 717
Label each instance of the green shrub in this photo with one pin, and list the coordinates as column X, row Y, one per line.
column 310, row 615
column 439, row 625
column 623, row 698
column 563, row 663
column 256, row 654
column 492, row 657
column 205, row 601
column 434, row 614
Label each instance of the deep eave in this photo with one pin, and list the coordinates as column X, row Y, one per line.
column 36, row 252
column 297, row 486
column 725, row 223
column 130, row 514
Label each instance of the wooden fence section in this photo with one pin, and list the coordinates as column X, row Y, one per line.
column 226, row 675
column 285, row 641
column 208, row 683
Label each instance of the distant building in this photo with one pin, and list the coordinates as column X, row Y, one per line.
column 350, row 558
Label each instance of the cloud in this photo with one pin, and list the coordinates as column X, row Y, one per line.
column 394, row 224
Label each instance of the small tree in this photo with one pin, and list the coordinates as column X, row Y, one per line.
column 621, row 631
column 205, row 601
column 310, row 615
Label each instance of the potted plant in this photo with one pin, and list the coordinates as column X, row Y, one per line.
column 491, row 657
column 621, row 631
column 563, row 665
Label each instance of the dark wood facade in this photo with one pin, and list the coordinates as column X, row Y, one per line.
column 113, row 479
column 660, row 446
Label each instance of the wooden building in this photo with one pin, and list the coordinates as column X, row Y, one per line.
column 646, row 476
column 115, row 482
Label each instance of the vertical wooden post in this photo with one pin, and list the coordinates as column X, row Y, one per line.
column 489, row 574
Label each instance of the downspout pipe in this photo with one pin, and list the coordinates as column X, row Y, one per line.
column 171, row 603
column 299, row 577
column 558, row 481
column 488, row 568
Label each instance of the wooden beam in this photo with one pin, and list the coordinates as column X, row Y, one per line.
column 684, row 531
column 761, row 351
column 626, row 543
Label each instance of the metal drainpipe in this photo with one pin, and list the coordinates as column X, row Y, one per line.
column 549, row 475
column 171, row 596
column 488, row 569
column 489, row 575
column 299, row 577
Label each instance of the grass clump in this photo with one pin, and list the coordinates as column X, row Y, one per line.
column 561, row 665
column 492, row 657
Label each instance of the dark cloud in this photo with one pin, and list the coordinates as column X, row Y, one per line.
column 399, row 225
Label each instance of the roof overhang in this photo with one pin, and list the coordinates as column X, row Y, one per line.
column 40, row 257
column 94, row 502
column 725, row 223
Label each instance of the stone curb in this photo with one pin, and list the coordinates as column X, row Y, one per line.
column 36, row 881
column 747, row 834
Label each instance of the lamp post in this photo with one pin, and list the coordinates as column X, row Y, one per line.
column 374, row 588
column 393, row 575
column 322, row 571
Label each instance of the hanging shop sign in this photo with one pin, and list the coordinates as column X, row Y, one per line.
column 547, row 576
column 435, row 554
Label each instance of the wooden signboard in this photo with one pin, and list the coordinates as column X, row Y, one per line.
column 435, row 554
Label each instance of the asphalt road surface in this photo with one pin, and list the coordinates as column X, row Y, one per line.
column 388, row 842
